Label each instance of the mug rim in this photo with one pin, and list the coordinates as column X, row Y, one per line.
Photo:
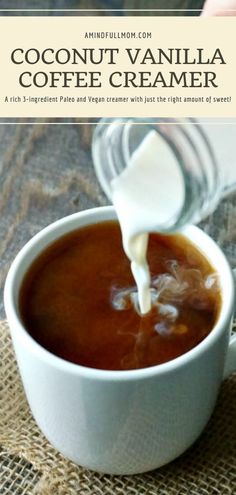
column 14, row 319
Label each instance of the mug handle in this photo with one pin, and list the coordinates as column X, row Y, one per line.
column 230, row 365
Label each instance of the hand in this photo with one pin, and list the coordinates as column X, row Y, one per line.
column 219, row 7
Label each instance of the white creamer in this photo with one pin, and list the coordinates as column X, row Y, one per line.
column 146, row 195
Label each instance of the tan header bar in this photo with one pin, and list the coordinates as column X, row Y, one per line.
column 118, row 66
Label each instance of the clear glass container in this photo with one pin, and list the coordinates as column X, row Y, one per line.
column 115, row 140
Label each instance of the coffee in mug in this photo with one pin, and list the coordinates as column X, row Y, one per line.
column 79, row 300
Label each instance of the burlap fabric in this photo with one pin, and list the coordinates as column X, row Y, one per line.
column 29, row 465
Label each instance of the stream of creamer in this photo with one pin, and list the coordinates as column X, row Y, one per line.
column 146, row 195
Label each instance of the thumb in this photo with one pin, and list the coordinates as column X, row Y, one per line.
column 219, row 8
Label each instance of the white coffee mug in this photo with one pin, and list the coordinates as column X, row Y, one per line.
column 122, row 422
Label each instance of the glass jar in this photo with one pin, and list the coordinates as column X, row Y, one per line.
column 115, row 140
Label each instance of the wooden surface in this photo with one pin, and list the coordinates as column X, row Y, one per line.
column 105, row 4
column 46, row 172
column 165, row 4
